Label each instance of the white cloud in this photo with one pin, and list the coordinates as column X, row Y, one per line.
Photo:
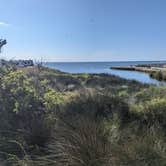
column 4, row 24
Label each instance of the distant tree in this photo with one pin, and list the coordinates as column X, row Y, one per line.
column 2, row 43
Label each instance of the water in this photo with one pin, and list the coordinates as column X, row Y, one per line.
column 104, row 67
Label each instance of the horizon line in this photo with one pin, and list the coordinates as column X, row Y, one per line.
column 104, row 61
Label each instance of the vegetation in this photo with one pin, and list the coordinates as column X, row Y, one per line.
column 53, row 118
column 159, row 75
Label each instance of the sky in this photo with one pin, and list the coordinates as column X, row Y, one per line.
column 83, row 30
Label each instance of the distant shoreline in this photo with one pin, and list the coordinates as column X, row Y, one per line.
column 157, row 71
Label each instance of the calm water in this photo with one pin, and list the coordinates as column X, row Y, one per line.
column 104, row 67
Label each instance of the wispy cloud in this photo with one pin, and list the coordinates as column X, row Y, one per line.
column 4, row 24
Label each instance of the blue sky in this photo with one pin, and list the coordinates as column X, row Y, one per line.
column 84, row 30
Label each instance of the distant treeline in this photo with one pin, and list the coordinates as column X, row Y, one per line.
column 152, row 65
